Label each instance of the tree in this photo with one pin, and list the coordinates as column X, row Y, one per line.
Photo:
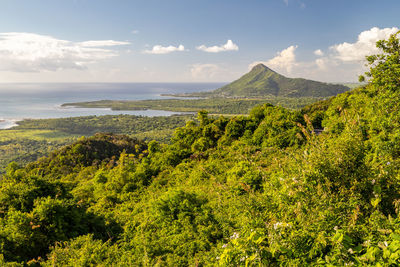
column 384, row 70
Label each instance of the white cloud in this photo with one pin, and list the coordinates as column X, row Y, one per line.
column 29, row 52
column 158, row 49
column 229, row 46
column 102, row 43
column 321, row 63
column 365, row 45
column 285, row 60
column 324, row 68
column 210, row 72
column 342, row 62
column 204, row 71
column 135, row 31
column 318, row 52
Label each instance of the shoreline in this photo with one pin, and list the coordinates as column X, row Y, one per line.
column 72, row 111
column 9, row 123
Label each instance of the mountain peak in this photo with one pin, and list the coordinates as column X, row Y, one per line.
column 261, row 81
column 261, row 67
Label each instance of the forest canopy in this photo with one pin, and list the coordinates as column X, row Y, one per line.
column 317, row 186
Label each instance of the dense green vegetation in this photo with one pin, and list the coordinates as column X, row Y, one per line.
column 262, row 189
column 24, row 150
column 33, row 139
column 264, row 82
column 117, row 124
column 225, row 106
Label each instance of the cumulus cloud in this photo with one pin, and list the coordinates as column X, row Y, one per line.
column 229, row 46
column 318, row 52
column 286, row 59
column 344, row 61
column 159, row 49
column 341, row 62
column 283, row 62
column 29, row 52
column 365, row 45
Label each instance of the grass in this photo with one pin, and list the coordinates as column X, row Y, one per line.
column 37, row 135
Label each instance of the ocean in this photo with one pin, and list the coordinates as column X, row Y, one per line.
column 39, row 101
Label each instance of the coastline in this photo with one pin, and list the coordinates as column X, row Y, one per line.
column 66, row 111
column 8, row 123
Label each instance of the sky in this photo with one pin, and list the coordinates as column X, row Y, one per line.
column 189, row 40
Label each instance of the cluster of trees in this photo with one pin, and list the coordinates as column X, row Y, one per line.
column 25, row 150
column 262, row 189
column 118, row 124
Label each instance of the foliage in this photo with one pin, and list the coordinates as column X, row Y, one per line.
column 267, row 189
column 117, row 124
column 83, row 251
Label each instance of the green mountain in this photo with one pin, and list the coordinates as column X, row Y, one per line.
column 261, row 81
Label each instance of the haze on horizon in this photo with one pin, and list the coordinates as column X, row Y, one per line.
column 186, row 41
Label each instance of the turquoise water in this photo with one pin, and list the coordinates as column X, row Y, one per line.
column 38, row 101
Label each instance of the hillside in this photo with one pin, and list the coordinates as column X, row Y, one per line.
column 261, row 81
column 257, row 190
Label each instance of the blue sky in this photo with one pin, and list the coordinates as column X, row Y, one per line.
column 188, row 40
